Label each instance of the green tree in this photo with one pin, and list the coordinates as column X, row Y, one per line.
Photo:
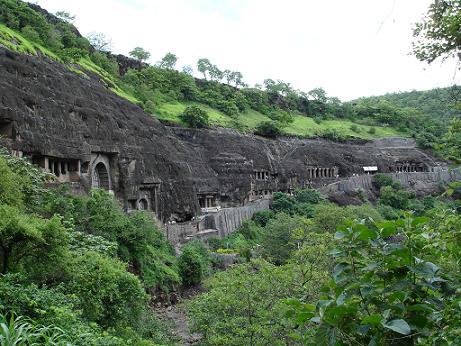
column 203, row 66
column 215, row 73
column 278, row 242
column 381, row 292
column 109, row 294
column 269, row 129
column 194, row 263
column 195, row 117
column 168, row 61
column 140, row 54
column 245, row 306
column 438, row 34
column 10, row 187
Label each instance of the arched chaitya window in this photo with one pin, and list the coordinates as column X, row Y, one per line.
column 101, row 177
column 142, row 204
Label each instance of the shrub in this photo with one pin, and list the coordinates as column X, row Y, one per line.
column 269, row 129
column 379, row 180
column 398, row 199
column 109, row 295
column 195, row 117
column 10, row 192
column 261, row 218
column 282, row 202
column 332, row 134
column 355, row 128
column 372, row 130
column 277, row 243
column 308, row 196
column 194, row 263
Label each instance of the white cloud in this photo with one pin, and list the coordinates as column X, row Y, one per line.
column 350, row 48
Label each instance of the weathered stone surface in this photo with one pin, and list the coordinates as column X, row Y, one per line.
column 50, row 113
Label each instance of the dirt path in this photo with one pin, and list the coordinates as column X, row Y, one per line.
column 176, row 316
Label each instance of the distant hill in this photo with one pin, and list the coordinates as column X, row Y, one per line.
column 436, row 103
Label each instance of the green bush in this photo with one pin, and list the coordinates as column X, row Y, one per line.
column 261, row 218
column 10, row 187
column 379, row 180
column 269, row 129
column 283, row 202
column 372, row 130
column 195, row 117
column 194, row 263
column 355, row 128
column 277, row 243
column 109, row 295
column 398, row 199
column 308, row 196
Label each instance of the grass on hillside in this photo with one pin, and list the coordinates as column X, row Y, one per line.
column 18, row 43
column 302, row 126
column 247, row 121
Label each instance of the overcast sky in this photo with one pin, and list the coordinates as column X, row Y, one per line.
column 350, row 48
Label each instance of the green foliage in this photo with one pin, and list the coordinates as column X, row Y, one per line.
column 269, row 129
column 10, row 192
column 16, row 330
column 278, row 241
column 24, row 238
column 332, row 134
column 244, row 306
column 168, row 61
column 379, row 180
column 382, row 291
column 396, row 198
column 437, row 34
column 195, row 117
column 194, row 263
column 282, row 202
column 109, row 295
column 327, row 216
column 451, row 144
column 261, row 218
column 308, row 196
column 140, row 54
column 137, row 238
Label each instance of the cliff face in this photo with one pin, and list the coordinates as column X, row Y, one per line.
column 88, row 136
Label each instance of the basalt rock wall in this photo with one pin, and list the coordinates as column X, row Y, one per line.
column 81, row 131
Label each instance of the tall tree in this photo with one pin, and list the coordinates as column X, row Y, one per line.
column 229, row 76
column 215, row 73
column 237, row 77
column 203, row 66
column 140, row 54
column 168, row 61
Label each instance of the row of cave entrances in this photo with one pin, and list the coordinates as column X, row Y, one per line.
column 322, row 172
column 409, row 168
column 70, row 170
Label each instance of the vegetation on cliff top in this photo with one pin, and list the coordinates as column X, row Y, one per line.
column 166, row 93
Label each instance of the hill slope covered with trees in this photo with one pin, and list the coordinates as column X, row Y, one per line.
column 274, row 107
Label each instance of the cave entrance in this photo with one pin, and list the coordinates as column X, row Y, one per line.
column 101, row 177
column 143, row 204
column 6, row 129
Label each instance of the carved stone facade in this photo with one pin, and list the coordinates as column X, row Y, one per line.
column 87, row 136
